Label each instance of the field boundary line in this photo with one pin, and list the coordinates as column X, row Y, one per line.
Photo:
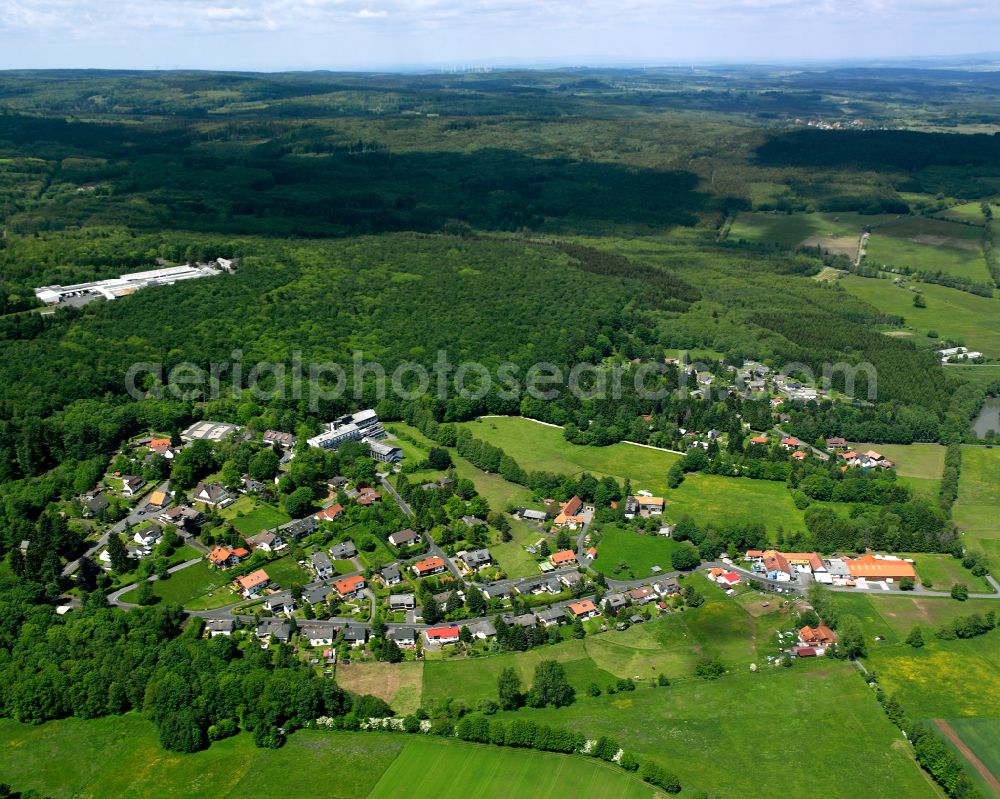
column 968, row 754
column 560, row 427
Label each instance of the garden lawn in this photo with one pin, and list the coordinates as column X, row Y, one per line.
column 432, row 768
column 284, row 571
column 977, row 510
column 248, row 515
column 190, row 587
column 722, row 735
column 120, row 756
column 957, row 315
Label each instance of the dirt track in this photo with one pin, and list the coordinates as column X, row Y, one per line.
column 969, row 755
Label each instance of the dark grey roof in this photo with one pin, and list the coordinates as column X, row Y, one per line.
column 343, row 550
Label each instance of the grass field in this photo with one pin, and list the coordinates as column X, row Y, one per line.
column 640, row 552
column 541, row 447
column 931, row 245
column 977, row 510
column 723, row 735
column 285, row 571
column 919, row 466
column 249, row 515
column 952, row 314
column 121, row 757
column 982, row 736
column 399, row 684
column 431, row 768
column 706, row 498
column 191, row 586
column 968, row 212
column 944, row 571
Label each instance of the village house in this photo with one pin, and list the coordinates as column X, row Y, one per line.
column 790, row 442
column 95, row 505
column 476, row 558
column 317, row 594
column 429, row 566
column 321, row 565
column 211, row 495
column 482, row 629
column 266, row 541
column 643, row 505
column 402, row 602
column 225, row 558
column 837, row 442
column 500, row 591
column 251, row 585
column 759, row 440
column 345, row 550
column 583, row 609
column 285, row 440
column 529, row 515
column 525, row 620
column 317, row 635
column 281, row 631
column 280, row 603
column 570, row 579
column 149, row 536
column 818, row 636
column 564, row 557
column 549, row 585
column 569, row 514
column 349, row 587
column 297, row 528
column 614, row 602
column 182, row 517
column 158, row 499
column 391, row 575
column 551, row 617
column 329, row 514
column 405, row 637
column 442, row 636
column 216, row 627
column 472, row 521
column 355, row 636
column 404, row 538
column 368, row 496
column 641, row 596
column 131, row 485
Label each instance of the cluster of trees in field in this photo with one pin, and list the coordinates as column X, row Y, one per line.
column 918, row 525
column 101, row 661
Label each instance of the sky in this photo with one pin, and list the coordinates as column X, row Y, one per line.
column 395, row 34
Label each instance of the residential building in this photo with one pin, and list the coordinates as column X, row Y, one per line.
column 348, row 587
column 642, row 595
column 298, row 528
column 391, row 575
column 482, row 629
column 570, row 513
column 401, row 602
column 212, row 495
column 317, row 634
column 321, row 565
column 317, row 594
column 368, row 496
column 551, row 617
column 158, row 499
column 182, row 517
column 404, row 538
column 216, row 627
column 282, row 602
column 225, row 558
column 820, row 635
column 570, row 579
column 149, row 536
column 252, row 584
column 355, row 636
column 582, row 609
column 345, row 550
column 476, row 558
column 564, row 557
column 131, row 485
column 384, row 453
column 281, row 631
column 266, row 541
column 405, row 637
column 429, row 566
column 329, row 514
column 442, row 635
column 285, row 440
column 526, row 620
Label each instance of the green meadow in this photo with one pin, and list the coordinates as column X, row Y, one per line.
column 982, row 736
column 191, row 587
column 952, row 314
column 640, row 552
column 248, row 515
column 432, row 768
column 977, row 510
column 919, row 466
column 725, row 736
column 930, row 245
column 121, row 757
column 841, row 230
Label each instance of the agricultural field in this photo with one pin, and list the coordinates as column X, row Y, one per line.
column 121, row 756
column 399, row 684
column 198, row 587
column 439, row 769
column 640, row 552
column 929, row 245
column 977, row 510
column 981, row 737
column 248, row 515
column 837, row 233
column 721, row 735
column 951, row 314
